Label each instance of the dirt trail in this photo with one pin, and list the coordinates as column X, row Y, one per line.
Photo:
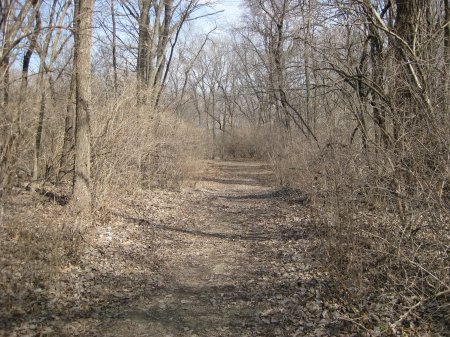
column 227, row 257
column 225, row 250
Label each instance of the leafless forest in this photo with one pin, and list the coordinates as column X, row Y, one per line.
column 164, row 173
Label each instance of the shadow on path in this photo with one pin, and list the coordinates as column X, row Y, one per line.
column 200, row 233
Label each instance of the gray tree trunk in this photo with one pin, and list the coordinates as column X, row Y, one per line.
column 446, row 59
column 67, row 160
column 114, row 46
column 82, row 194
column 143, row 50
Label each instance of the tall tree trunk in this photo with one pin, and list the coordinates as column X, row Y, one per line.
column 4, row 64
column 25, row 68
column 82, row 193
column 307, row 49
column 376, row 56
column 143, row 76
column 446, row 58
column 67, row 159
column 43, row 90
column 143, row 52
column 407, row 86
column 40, row 126
column 114, row 47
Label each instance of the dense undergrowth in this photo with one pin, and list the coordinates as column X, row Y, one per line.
column 46, row 245
column 382, row 222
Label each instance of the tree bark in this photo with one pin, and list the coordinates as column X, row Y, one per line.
column 446, row 58
column 376, row 56
column 82, row 194
column 114, row 47
column 25, row 68
column 306, row 54
column 67, row 159
column 143, row 50
column 43, row 90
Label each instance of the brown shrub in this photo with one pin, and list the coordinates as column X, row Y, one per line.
column 383, row 228
column 135, row 148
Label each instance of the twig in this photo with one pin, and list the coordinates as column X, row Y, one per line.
column 394, row 325
column 354, row 322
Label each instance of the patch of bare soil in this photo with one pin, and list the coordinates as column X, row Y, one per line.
column 225, row 258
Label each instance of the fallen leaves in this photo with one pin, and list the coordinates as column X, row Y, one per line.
column 229, row 258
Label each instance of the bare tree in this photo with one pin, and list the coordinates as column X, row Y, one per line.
column 56, row 17
column 157, row 34
column 114, row 46
column 82, row 193
column 446, row 5
column 26, row 65
column 15, row 24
